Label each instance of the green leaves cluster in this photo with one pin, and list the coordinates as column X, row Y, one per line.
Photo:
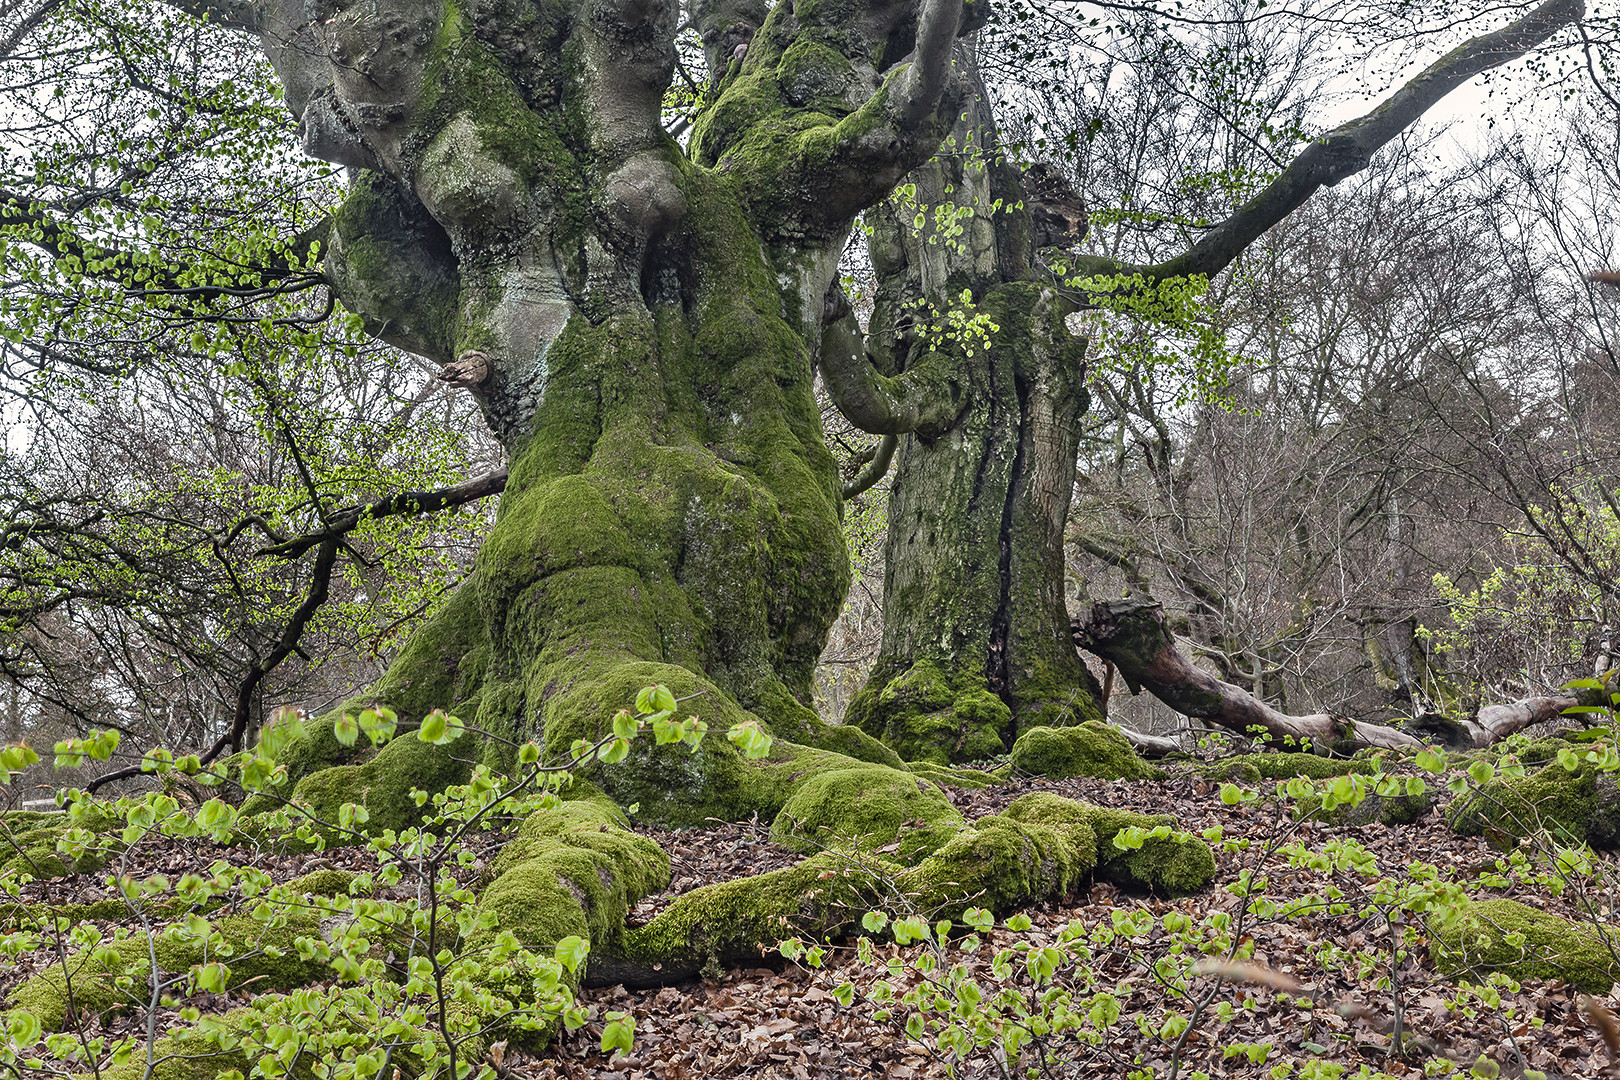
column 427, row 984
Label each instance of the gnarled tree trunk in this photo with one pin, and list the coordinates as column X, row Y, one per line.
column 975, row 630
column 637, row 322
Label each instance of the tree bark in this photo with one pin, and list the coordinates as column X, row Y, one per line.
column 1134, row 635
column 637, row 323
column 975, row 631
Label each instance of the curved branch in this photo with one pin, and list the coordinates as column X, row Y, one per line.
column 876, row 470
column 403, row 502
column 927, row 399
column 1347, row 149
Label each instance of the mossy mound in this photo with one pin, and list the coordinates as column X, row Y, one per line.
column 1163, row 865
column 258, row 952
column 1041, row 847
column 952, row 777
column 867, row 808
column 926, row 716
column 1524, row 942
column 1088, row 749
column 325, row 882
column 1576, row 807
column 383, row 784
column 574, row 869
column 29, row 842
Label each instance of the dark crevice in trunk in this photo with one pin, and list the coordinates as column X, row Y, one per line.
column 1001, row 625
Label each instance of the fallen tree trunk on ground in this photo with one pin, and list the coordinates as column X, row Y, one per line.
column 1134, row 636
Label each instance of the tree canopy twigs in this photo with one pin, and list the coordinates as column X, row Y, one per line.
column 1348, row 149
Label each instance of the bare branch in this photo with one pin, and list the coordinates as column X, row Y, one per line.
column 1133, row 635
column 1349, row 148
column 404, row 502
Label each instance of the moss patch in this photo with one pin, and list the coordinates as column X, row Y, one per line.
column 574, row 869
column 262, row 953
column 869, row 808
column 953, row 777
column 1564, row 802
column 1504, row 935
column 1088, row 749
column 928, row 717
column 383, row 785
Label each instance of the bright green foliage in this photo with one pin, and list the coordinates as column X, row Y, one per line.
column 263, row 952
column 1089, row 749
column 31, row 847
column 1396, row 808
column 1253, row 768
column 1576, row 800
column 1504, row 935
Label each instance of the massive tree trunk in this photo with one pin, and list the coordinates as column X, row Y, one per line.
column 637, row 323
column 975, row 631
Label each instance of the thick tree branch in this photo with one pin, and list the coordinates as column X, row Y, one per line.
column 926, row 399
column 1347, row 149
column 1134, row 636
column 918, row 89
column 876, row 470
column 404, row 502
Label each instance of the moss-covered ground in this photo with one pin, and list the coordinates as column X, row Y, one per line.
column 659, row 903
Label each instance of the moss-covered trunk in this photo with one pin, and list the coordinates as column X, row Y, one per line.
column 976, row 644
column 637, row 321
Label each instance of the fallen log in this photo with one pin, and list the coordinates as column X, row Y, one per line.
column 1135, row 637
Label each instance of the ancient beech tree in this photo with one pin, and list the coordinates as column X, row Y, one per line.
column 976, row 639
column 637, row 320
column 641, row 324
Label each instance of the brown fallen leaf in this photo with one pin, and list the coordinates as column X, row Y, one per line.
column 1602, row 1019
column 1243, row 971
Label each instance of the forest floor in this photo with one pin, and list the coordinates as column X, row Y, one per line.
column 782, row 1020
column 1335, row 1016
